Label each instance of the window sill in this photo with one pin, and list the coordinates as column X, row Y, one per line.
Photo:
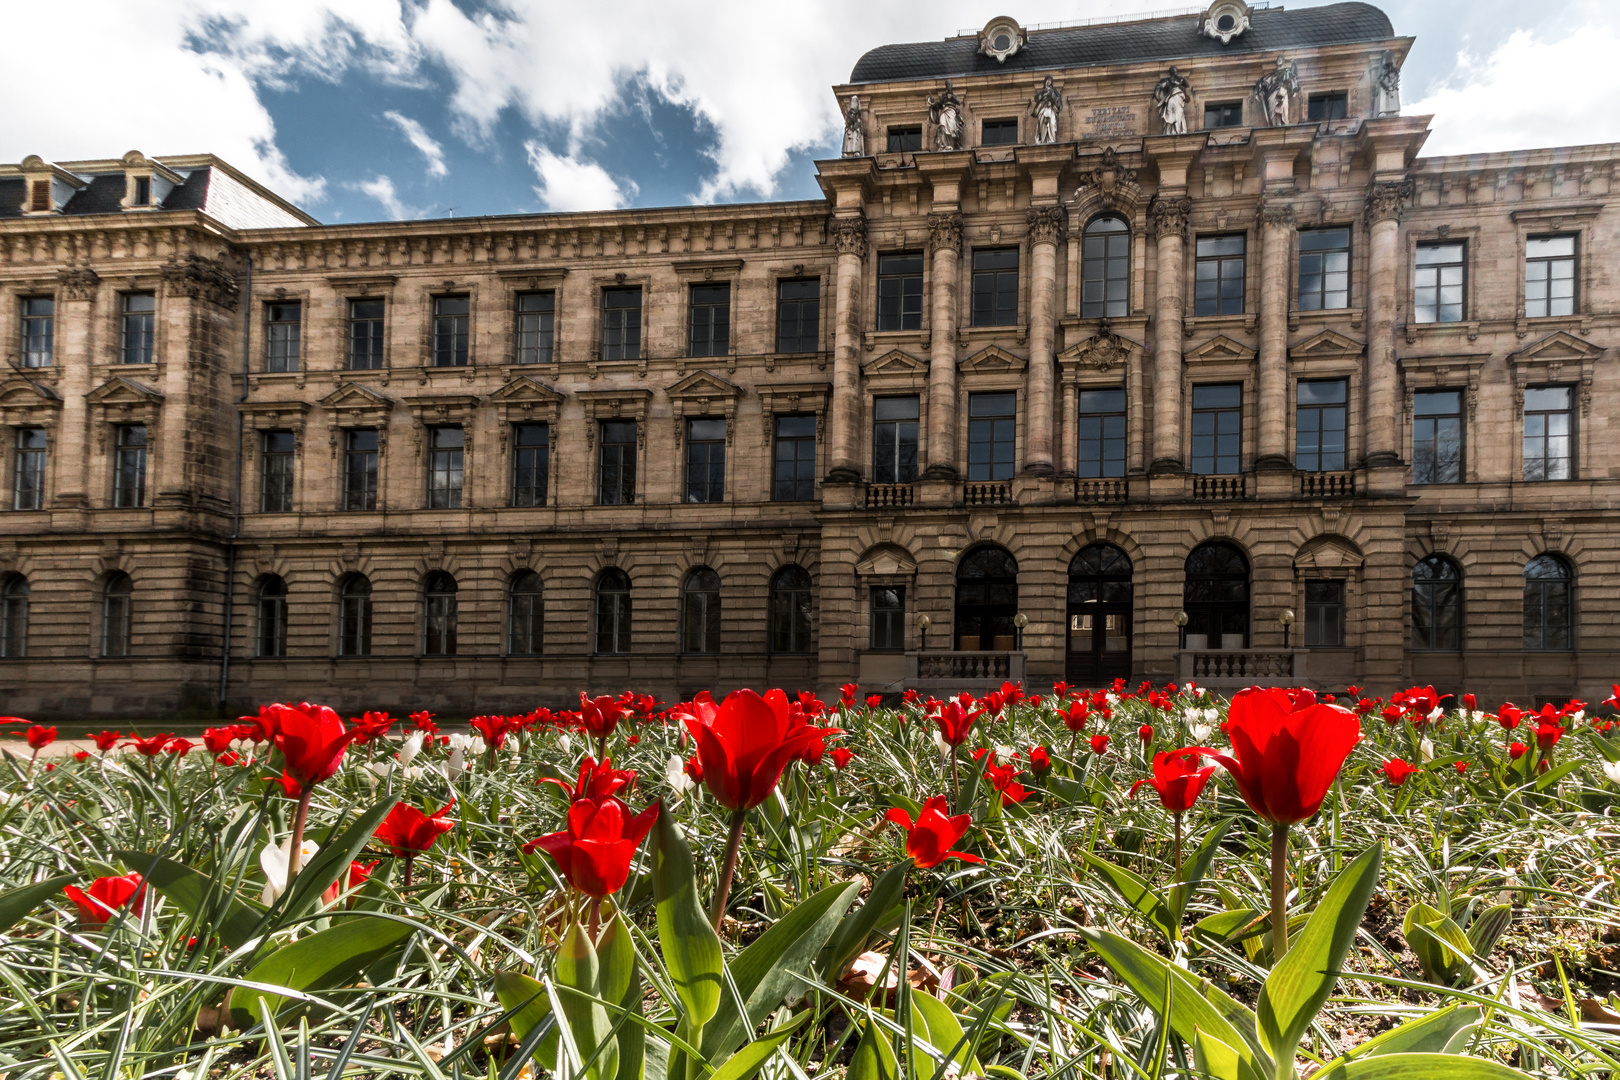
column 1195, row 323
column 967, row 334
column 1326, row 317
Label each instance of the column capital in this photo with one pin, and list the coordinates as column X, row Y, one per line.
column 1386, row 199
column 1274, row 211
column 78, row 283
column 945, row 232
column 1047, row 224
column 848, row 235
column 1169, row 214
column 201, row 279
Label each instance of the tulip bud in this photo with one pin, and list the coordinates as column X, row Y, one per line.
column 1426, row 749
column 410, row 748
column 1611, row 769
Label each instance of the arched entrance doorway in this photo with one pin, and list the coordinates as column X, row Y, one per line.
column 1099, row 616
column 1216, row 597
column 986, row 600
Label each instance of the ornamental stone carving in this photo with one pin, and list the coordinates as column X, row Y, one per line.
column 849, row 236
column 1386, row 199
column 1047, row 224
column 1273, row 212
column 1171, row 96
column 1045, row 107
column 78, row 283
column 945, row 111
column 1103, row 351
column 1169, row 215
column 1386, row 80
column 1111, row 182
column 201, row 279
column 854, row 134
column 945, row 232
column 1276, row 91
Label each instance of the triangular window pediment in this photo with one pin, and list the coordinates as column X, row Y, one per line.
column 992, row 361
column 1556, row 347
column 703, row 385
column 1221, row 347
column 523, row 389
column 1329, row 553
column 1327, row 343
column 886, row 562
column 121, row 391
column 354, row 396
column 895, row 362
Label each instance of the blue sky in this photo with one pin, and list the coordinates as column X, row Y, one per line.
column 370, row 109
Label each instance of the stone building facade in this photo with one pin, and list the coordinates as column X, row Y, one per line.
column 1149, row 350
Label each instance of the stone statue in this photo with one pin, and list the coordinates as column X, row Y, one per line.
column 1045, row 108
column 854, row 136
column 1170, row 98
column 945, row 110
column 1276, row 92
column 1386, row 86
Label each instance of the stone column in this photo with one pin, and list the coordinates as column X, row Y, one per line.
column 1384, row 200
column 1169, row 215
column 1047, row 225
column 945, row 246
column 69, row 457
column 844, row 414
column 1276, row 245
column 1069, row 431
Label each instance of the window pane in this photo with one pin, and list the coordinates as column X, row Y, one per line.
column 531, row 464
column 900, row 291
column 798, row 315
column 621, row 324
column 535, row 315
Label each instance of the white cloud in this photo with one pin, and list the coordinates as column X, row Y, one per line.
column 419, row 138
column 381, row 188
column 567, row 183
column 1521, row 96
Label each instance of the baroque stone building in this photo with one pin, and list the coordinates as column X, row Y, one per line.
column 1148, row 349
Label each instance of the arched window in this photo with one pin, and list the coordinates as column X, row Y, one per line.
column 613, row 613
column 354, row 616
column 525, row 614
column 439, row 615
column 1099, row 616
column 116, row 597
column 986, row 601
column 1216, row 597
column 700, row 611
column 271, row 638
column 14, row 617
column 1548, row 604
column 790, row 610
column 1436, row 604
column 1105, row 269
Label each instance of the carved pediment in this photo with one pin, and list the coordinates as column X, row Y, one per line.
column 1102, row 351
column 1220, row 347
column 1327, row 344
column 442, row 408
column 895, row 362
column 703, row 385
column 1556, row 348
column 121, row 391
column 992, row 360
column 524, row 389
column 628, row 404
column 266, row 415
column 351, row 395
column 1328, row 553
column 886, row 561
column 22, row 394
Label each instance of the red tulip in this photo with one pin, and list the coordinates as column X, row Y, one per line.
column 744, row 743
column 152, row 745
column 1462, row 767
column 81, row 755
column 846, row 694
column 179, row 747
column 841, row 757
column 694, row 769
column 41, row 737
column 1004, row 778
column 312, row 739
column 409, row 832
column 1099, row 744
column 929, row 838
column 1508, row 716
column 955, row 722
column 1074, row 716
column 106, row 896
column 1517, row 750
column 1613, row 700
column 1470, row 702
column 1284, row 757
column 1039, row 760
column 106, row 740
column 1547, row 736
column 219, row 739
column 1398, row 771
column 596, row 781
column 1177, row 778
column 600, row 716
column 289, row 787
column 358, row 873
column 228, row 759
column 594, row 850
column 370, row 727
column 1145, row 733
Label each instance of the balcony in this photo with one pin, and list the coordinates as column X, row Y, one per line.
column 1325, row 485
column 881, row 496
column 1233, row 669
column 1093, row 492
column 1220, row 488
column 993, row 494
column 942, row 673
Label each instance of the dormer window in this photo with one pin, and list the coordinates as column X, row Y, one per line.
column 146, row 182
column 1001, row 38
column 1225, row 20
column 39, row 201
column 48, row 187
column 143, row 192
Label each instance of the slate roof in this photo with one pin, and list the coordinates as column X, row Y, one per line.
column 1124, row 43
column 104, row 193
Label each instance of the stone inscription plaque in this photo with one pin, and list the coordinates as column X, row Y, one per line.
column 1108, row 122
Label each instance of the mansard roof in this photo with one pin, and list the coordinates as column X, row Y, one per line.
column 1174, row 38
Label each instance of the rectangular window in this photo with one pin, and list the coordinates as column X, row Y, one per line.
column 621, row 324
column 888, row 618
column 129, row 466
column 1324, row 614
column 143, row 191
column 39, row 200
column 998, row 133
column 1437, row 437
column 894, row 440
column 282, row 323
column 531, row 463
column 137, row 322
column 1320, row 421
column 360, row 469
column 535, row 314
column 1334, row 105
column 709, row 328
column 995, row 287
column 793, row 475
column 992, row 436
column 1217, row 428
column 1223, row 114
column 798, row 315
column 276, row 473
column 1438, row 284
column 1549, row 429
column 705, row 461
column 900, row 289
column 1218, row 275
column 1549, row 276
column 365, row 335
column 904, row 140
column 28, row 474
column 616, row 463
column 38, row 331
column 1324, row 269
column 451, row 318
column 1102, row 433
column 446, row 467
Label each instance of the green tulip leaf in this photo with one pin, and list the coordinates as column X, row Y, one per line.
column 577, row 968
column 874, row 1058
column 1301, row 981
column 750, row 1059
column 857, row 926
column 1430, row 1034
column 234, row 919
column 1137, row 893
column 321, row 961
column 17, row 903
column 1193, row 871
column 1487, row 926
column 944, row 1032
column 330, row 863
column 690, row 946
column 1418, row 1067
column 530, row 1007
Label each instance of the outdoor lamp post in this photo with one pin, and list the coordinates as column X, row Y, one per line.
column 1181, row 629
column 923, row 623
column 1020, row 621
column 1287, row 620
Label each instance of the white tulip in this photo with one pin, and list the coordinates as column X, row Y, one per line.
column 675, row 773
column 1436, row 713
column 939, row 741
column 1576, row 717
column 1003, row 754
column 1200, row 732
column 1426, row 749
column 565, row 744
column 1611, row 769
column 410, row 748
column 273, row 861
column 456, row 767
